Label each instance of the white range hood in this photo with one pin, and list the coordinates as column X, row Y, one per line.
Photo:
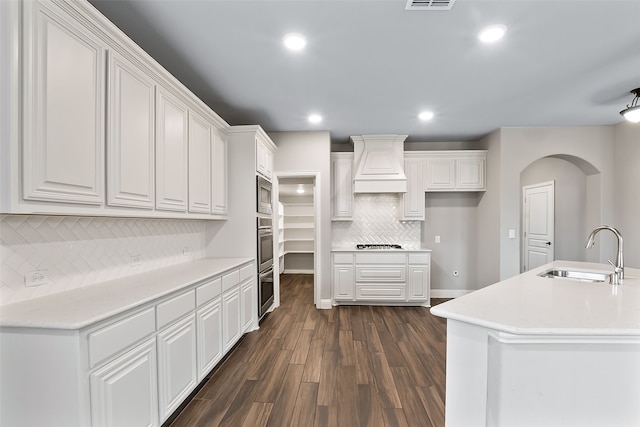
column 379, row 164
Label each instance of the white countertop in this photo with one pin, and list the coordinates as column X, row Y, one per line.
column 528, row 304
column 82, row 307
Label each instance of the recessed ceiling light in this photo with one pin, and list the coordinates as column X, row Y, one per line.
column 300, row 189
column 295, row 41
column 314, row 118
column 426, row 115
column 492, row 33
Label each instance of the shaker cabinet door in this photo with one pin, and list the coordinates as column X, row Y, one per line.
column 63, row 110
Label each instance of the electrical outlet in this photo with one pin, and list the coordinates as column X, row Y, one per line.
column 136, row 260
column 437, row 239
column 36, row 278
column 186, row 251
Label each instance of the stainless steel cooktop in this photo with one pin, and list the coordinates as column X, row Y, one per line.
column 373, row 246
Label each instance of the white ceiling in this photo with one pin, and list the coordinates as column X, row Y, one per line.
column 371, row 66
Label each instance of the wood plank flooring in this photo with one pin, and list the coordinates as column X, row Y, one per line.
column 349, row 366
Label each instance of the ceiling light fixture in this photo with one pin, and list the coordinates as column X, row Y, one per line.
column 492, row 33
column 295, row 41
column 315, row 118
column 300, row 189
column 632, row 112
column 426, row 116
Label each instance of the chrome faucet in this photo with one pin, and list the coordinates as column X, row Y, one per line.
column 618, row 272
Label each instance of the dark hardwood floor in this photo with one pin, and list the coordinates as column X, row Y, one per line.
column 349, row 366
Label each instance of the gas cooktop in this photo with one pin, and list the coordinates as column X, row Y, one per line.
column 377, row 246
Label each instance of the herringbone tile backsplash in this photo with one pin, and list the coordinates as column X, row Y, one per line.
column 376, row 219
column 80, row 251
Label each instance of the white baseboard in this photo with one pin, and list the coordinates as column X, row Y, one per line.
column 325, row 304
column 291, row 271
column 448, row 293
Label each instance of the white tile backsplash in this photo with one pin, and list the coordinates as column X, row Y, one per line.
column 376, row 219
column 81, row 251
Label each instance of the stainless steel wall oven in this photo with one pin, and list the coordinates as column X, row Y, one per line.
column 265, row 265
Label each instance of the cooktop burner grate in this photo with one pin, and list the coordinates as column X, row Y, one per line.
column 377, row 246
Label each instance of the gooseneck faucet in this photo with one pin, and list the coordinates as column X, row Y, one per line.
column 619, row 266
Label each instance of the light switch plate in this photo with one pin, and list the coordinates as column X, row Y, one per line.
column 512, row 234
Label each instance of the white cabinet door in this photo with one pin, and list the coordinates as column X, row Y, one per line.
column 231, row 329
column 418, row 283
column 342, row 187
column 131, row 135
column 177, row 369
column 63, row 109
column 470, row 174
column 343, row 282
column 124, row 392
column 209, row 325
column 413, row 199
column 249, row 304
column 199, row 164
column 171, row 152
column 440, row 174
column 264, row 159
column 219, row 175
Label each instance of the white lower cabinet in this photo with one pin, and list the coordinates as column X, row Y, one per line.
column 381, row 277
column 124, row 392
column 133, row 369
column 231, row 330
column 177, row 371
column 209, row 327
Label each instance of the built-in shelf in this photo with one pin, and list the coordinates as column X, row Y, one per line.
column 297, row 236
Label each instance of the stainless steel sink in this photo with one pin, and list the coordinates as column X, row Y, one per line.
column 579, row 275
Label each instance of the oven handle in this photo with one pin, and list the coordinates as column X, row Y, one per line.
column 267, row 272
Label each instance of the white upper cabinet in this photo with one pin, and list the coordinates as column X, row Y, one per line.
column 341, row 186
column 96, row 127
column 413, row 199
column 171, row 152
column 219, row 196
column 461, row 170
column 63, row 108
column 264, row 158
column 441, row 174
column 131, row 143
column 470, row 173
column 199, row 164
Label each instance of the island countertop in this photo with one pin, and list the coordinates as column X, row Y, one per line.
column 533, row 305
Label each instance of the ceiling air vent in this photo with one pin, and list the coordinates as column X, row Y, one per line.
column 429, row 4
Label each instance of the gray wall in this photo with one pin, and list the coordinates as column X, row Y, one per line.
column 453, row 217
column 570, row 203
column 310, row 152
column 627, row 189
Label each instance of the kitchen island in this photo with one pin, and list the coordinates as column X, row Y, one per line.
column 537, row 351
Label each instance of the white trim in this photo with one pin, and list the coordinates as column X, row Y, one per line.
column 448, row 293
column 325, row 304
column 317, row 243
column 294, row 271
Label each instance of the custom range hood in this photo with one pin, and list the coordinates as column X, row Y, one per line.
column 378, row 163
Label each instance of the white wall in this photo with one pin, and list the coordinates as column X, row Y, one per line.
column 307, row 152
column 627, row 189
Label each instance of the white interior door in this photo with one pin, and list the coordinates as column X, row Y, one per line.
column 538, row 225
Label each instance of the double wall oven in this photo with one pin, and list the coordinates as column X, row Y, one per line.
column 265, row 246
